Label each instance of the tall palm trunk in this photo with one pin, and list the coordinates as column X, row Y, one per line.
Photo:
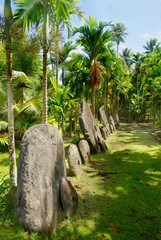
column 45, row 52
column 63, row 125
column 117, row 49
column 97, row 103
column 52, row 65
column 105, row 98
column 57, row 53
column 93, row 101
column 12, row 157
column 117, row 107
column 111, row 103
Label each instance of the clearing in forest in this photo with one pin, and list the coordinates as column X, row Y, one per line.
column 119, row 193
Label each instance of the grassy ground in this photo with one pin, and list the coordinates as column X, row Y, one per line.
column 119, row 193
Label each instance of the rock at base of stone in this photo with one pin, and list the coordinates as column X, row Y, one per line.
column 84, row 151
column 41, row 166
column 90, row 129
column 69, row 197
column 74, row 160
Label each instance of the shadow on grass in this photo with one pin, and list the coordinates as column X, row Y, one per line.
column 124, row 202
column 119, row 196
column 139, row 137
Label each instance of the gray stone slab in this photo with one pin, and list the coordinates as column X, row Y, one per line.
column 90, row 129
column 105, row 130
column 112, row 124
column 41, row 166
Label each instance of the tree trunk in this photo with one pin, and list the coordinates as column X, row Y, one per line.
column 12, row 157
column 70, row 123
column 71, row 127
column 117, row 108
column 57, row 54
column 63, row 125
column 63, row 76
column 93, row 101
column 45, row 52
column 111, row 104
column 105, row 98
column 97, row 103
column 52, row 65
column 129, row 112
column 117, row 49
column 154, row 119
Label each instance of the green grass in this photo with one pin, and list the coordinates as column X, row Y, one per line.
column 119, row 193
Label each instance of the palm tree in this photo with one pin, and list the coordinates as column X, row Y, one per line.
column 63, row 55
column 119, row 31
column 33, row 13
column 151, row 45
column 93, row 38
column 60, row 21
column 8, row 42
column 60, row 104
column 127, row 54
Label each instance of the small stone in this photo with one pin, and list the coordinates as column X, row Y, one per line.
column 84, row 151
column 74, row 160
column 69, row 197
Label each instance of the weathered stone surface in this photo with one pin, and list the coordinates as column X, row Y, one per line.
column 105, row 130
column 40, row 169
column 69, row 197
column 84, row 151
column 112, row 124
column 90, row 129
column 74, row 160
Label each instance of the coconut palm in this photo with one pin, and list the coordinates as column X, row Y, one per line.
column 151, row 45
column 119, row 33
column 8, row 42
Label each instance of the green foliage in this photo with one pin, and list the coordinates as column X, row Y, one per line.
column 75, row 139
column 3, row 125
column 5, row 199
column 3, row 140
column 26, row 57
column 2, row 59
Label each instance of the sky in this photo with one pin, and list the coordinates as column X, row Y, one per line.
column 142, row 18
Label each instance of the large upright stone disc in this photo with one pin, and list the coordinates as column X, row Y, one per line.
column 40, row 169
column 90, row 129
